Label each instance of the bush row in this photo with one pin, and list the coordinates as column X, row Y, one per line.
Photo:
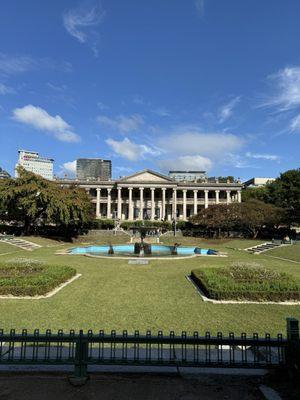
column 256, row 284
column 31, row 278
column 126, row 225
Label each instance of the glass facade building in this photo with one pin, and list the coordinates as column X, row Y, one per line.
column 93, row 169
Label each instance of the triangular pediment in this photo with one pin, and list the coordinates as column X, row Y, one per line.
column 146, row 175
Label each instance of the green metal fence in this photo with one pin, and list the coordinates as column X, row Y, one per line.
column 85, row 349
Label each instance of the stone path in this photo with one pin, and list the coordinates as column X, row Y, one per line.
column 21, row 243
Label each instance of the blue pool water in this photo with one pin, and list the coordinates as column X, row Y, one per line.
column 128, row 250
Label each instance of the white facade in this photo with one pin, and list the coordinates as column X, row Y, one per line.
column 150, row 195
column 31, row 161
column 258, row 182
column 189, row 176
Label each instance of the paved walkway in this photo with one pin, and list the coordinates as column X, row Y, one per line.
column 127, row 387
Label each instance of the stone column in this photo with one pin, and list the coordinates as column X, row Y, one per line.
column 206, row 198
column 195, row 202
column 174, row 210
column 141, row 202
column 130, row 205
column 163, row 214
column 152, row 203
column 217, row 192
column 239, row 194
column 119, row 203
column 228, row 199
column 184, row 204
column 108, row 203
column 98, row 213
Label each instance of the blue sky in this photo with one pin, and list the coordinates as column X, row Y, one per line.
column 160, row 84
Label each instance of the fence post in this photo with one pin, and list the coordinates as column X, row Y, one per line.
column 81, row 355
column 293, row 349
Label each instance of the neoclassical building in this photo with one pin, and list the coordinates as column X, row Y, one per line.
column 150, row 195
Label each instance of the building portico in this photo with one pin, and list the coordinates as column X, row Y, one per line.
column 153, row 196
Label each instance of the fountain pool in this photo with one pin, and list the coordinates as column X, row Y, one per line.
column 132, row 250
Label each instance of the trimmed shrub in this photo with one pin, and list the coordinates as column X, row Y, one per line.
column 163, row 225
column 246, row 281
column 102, row 224
column 31, row 278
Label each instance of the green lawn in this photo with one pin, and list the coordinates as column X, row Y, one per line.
column 288, row 252
column 7, row 248
column 114, row 295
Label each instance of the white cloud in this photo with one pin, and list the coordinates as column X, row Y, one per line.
column 199, row 4
column 80, row 21
column 6, row 89
column 270, row 157
column 15, row 64
column 192, row 142
column 191, row 148
column 287, row 89
column 70, row 166
column 122, row 123
column 226, row 110
column 295, row 124
column 130, row 150
column 39, row 119
column 195, row 162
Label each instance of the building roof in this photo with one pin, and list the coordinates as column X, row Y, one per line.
column 147, row 175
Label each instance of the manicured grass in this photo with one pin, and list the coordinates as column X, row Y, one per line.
column 31, row 277
column 111, row 294
column 290, row 252
column 6, row 248
column 247, row 281
column 218, row 244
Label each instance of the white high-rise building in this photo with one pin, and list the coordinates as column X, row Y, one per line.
column 31, row 161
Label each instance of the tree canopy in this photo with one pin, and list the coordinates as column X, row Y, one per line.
column 249, row 216
column 35, row 202
column 283, row 192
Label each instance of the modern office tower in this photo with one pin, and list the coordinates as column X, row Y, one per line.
column 189, row 176
column 93, row 169
column 31, row 161
column 4, row 174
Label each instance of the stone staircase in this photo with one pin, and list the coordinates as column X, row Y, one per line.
column 263, row 247
column 21, row 243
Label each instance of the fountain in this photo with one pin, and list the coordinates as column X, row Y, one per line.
column 140, row 248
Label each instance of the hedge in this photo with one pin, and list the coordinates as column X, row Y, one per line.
column 246, row 282
column 102, row 224
column 31, row 278
column 164, row 225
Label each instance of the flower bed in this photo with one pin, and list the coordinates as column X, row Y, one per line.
column 31, row 278
column 246, row 281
